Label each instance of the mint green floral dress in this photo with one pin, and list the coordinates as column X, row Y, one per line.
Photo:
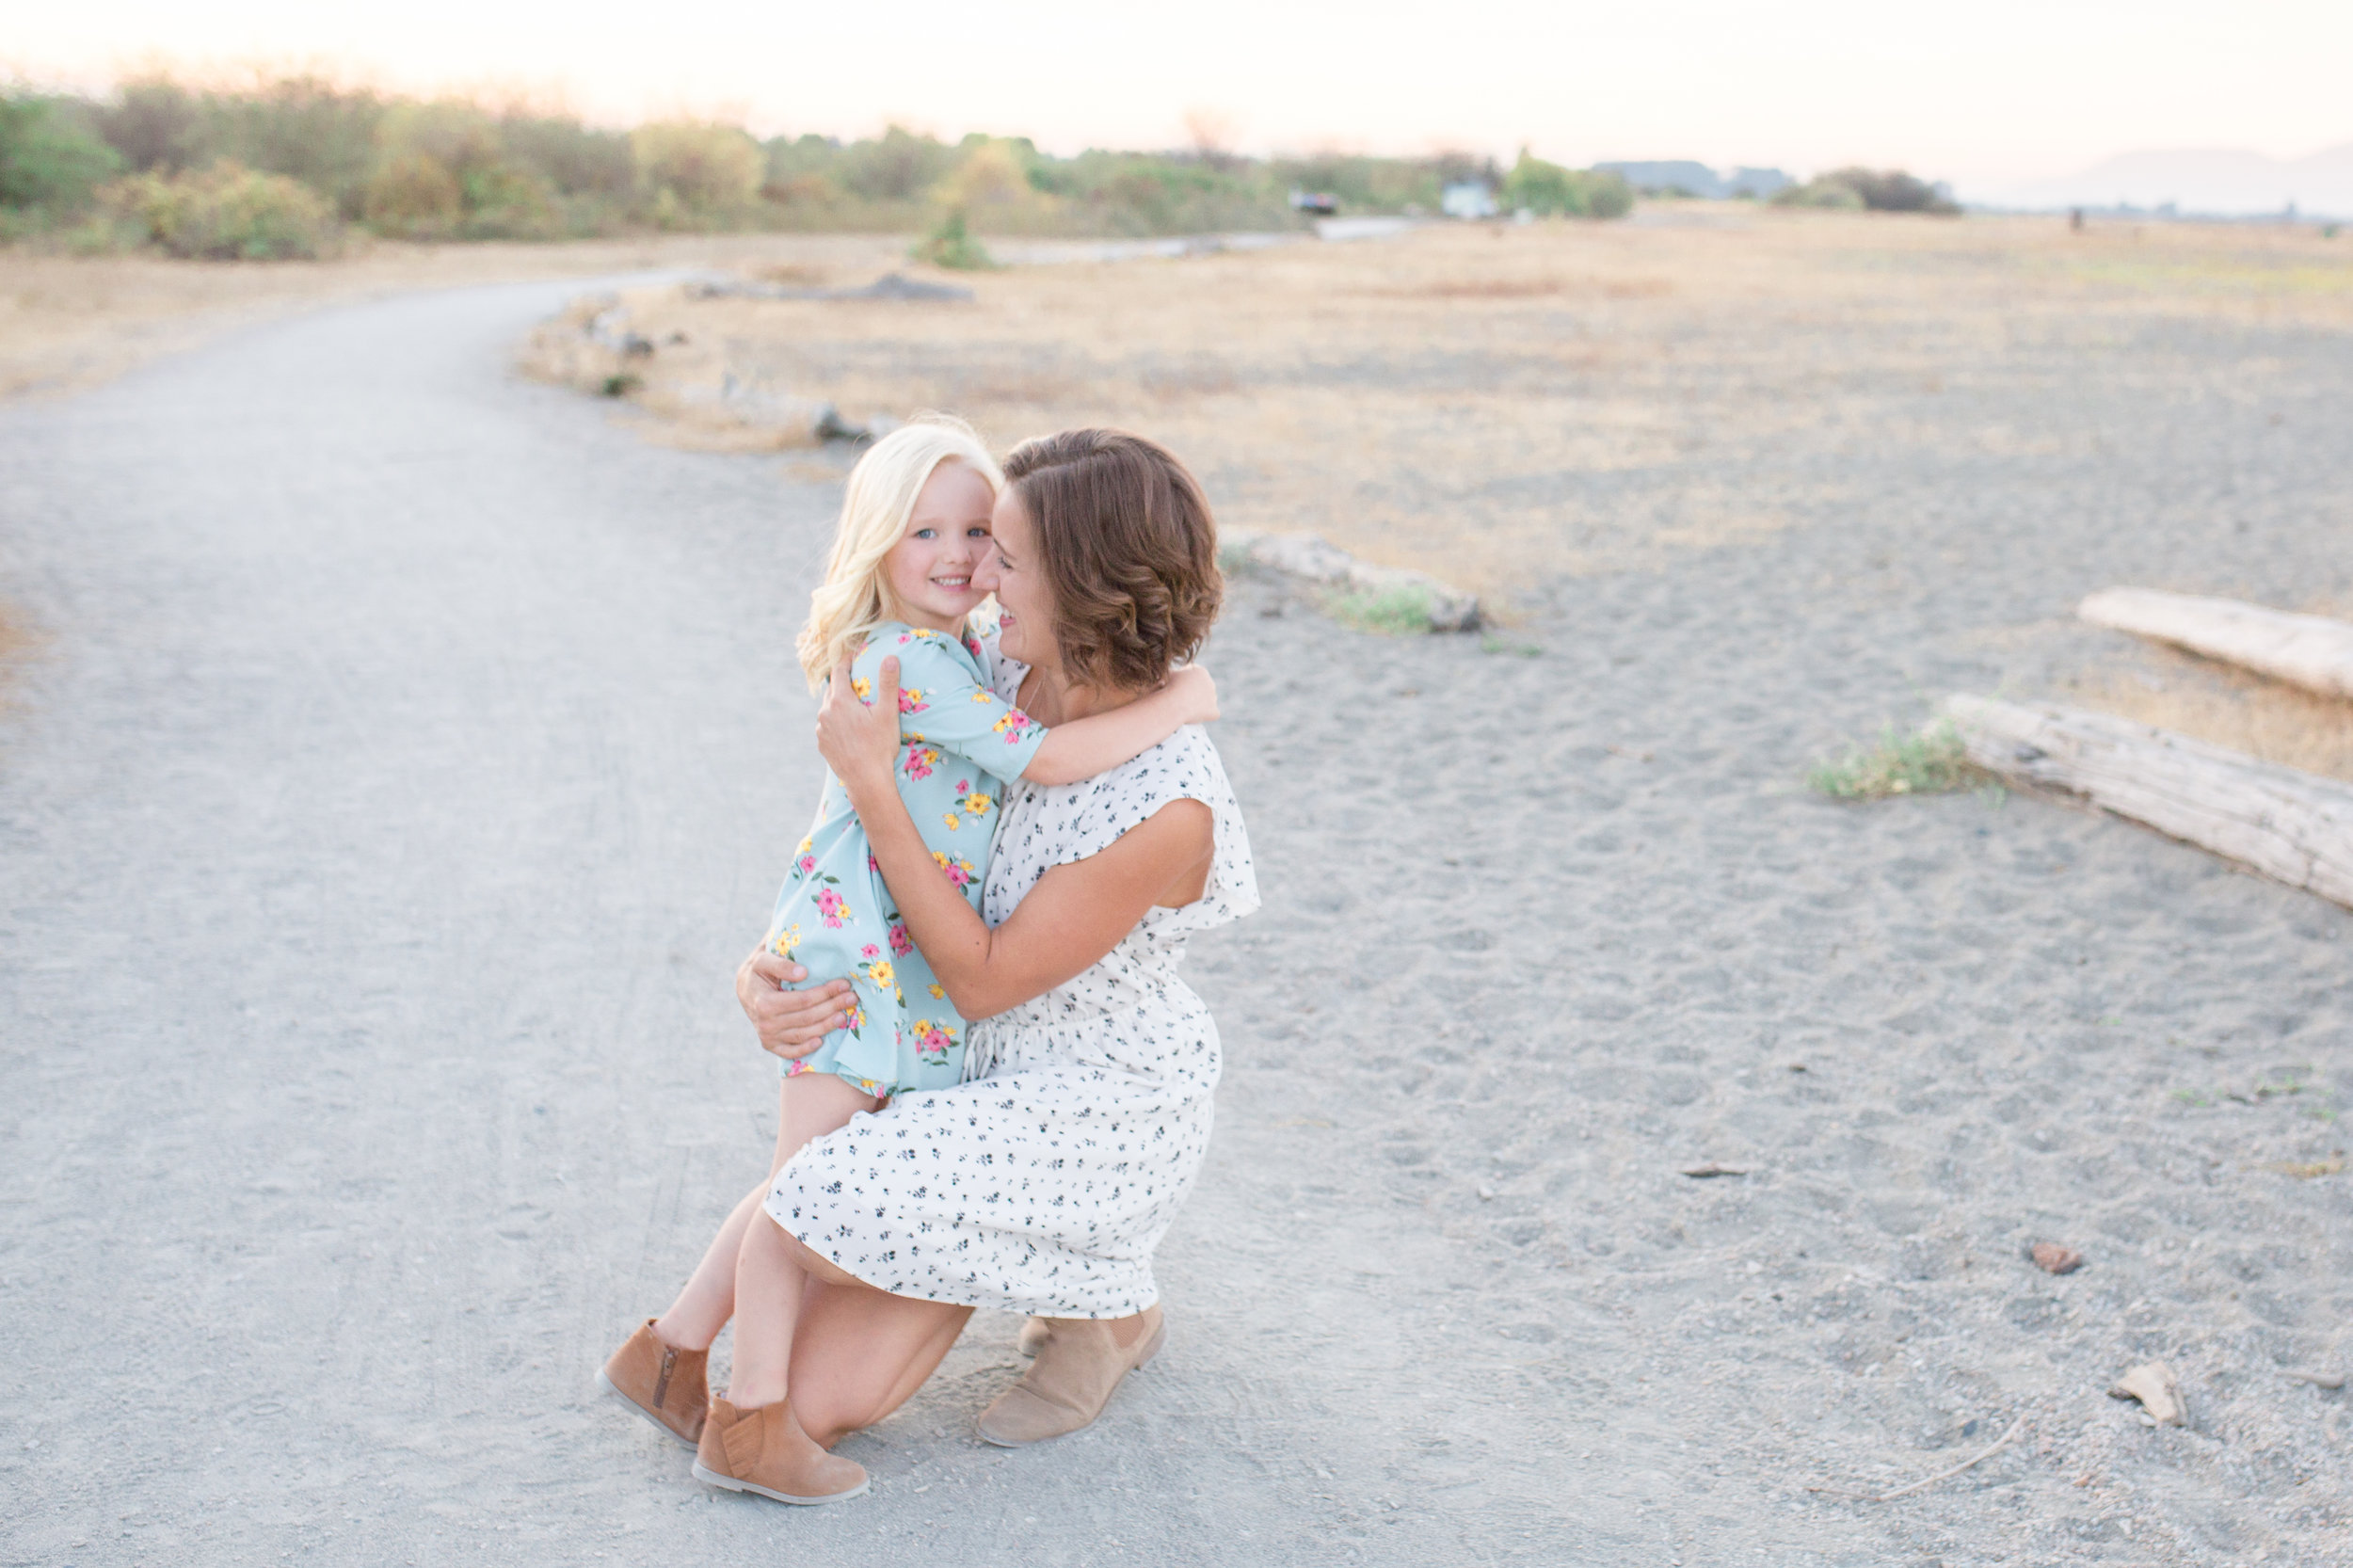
column 960, row 743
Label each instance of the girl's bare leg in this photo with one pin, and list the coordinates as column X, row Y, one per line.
column 860, row 1354
column 808, row 1106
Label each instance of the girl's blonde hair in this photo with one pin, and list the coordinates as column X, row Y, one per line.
column 874, row 511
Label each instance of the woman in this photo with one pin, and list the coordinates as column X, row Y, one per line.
column 1044, row 1183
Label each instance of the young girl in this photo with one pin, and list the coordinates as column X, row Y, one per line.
column 915, row 525
column 899, row 584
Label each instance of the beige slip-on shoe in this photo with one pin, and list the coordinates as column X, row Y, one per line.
column 666, row 1385
column 764, row 1451
column 1079, row 1366
column 1035, row 1333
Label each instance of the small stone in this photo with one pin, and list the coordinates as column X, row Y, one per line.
column 2052, row 1259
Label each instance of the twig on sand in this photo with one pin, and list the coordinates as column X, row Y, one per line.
column 1988, row 1453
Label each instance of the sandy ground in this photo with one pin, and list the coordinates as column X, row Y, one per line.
column 412, row 760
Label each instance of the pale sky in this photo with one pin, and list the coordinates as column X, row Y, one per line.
column 1980, row 93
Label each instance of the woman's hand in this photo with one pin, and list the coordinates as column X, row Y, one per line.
column 1195, row 693
column 859, row 738
column 790, row 1023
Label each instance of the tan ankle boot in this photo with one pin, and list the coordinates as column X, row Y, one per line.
column 764, row 1451
column 1079, row 1365
column 666, row 1385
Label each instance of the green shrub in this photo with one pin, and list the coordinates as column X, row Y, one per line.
column 1390, row 611
column 1551, row 190
column 50, row 158
column 949, row 245
column 1928, row 763
column 224, row 213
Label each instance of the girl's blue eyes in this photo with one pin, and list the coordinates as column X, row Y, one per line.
column 927, row 532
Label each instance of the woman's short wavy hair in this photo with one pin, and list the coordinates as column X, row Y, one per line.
column 1129, row 546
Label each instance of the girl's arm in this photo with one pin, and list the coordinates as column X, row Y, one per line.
column 1084, row 748
column 1075, row 914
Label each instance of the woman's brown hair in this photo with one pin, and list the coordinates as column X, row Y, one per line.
column 1129, row 547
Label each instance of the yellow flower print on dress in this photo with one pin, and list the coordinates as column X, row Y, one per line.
column 952, row 821
column 978, row 803
column 921, row 762
column 911, row 700
column 783, row 943
column 863, row 687
column 939, row 992
column 959, row 872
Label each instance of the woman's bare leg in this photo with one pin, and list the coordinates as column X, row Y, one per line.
column 809, row 1105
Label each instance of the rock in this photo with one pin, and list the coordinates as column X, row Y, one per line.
column 890, row 285
column 2159, row 1393
column 1704, row 1173
column 2052, row 1259
column 1308, row 557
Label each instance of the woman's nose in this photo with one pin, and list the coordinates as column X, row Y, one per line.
column 985, row 575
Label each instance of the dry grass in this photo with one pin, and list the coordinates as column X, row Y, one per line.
column 1445, row 400
column 68, row 323
column 2228, row 707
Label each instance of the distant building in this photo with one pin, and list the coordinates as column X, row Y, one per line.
column 1469, row 200
column 1686, row 177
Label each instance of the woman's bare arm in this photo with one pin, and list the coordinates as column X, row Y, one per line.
column 1075, row 914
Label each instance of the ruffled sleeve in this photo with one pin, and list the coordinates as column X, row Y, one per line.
column 1099, row 812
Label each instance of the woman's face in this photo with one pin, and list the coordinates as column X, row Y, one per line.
column 930, row 567
column 1014, row 573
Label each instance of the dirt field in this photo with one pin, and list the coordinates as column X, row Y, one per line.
column 1507, row 407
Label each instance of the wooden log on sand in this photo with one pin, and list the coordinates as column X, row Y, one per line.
column 2310, row 651
column 2293, row 826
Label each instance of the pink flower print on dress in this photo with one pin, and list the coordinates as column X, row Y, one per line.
column 901, row 943
column 921, row 762
column 932, row 1041
column 1014, row 725
column 911, row 700
column 806, row 864
column 869, row 951
column 831, row 907
column 959, row 872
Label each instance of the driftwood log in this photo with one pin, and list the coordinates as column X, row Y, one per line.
column 2293, row 826
column 2310, row 651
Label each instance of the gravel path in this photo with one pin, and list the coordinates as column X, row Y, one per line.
column 413, row 756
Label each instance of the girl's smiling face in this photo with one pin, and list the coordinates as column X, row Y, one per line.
column 1025, row 601
column 930, row 570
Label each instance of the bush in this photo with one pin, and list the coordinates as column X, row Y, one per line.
column 1930, row 762
column 951, row 246
column 51, row 159
column 899, row 167
column 225, row 213
column 1552, row 191
column 1888, row 190
column 154, row 124
column 415, row 197
column 691, row 172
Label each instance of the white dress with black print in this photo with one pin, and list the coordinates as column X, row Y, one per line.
column 1043, row 1183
